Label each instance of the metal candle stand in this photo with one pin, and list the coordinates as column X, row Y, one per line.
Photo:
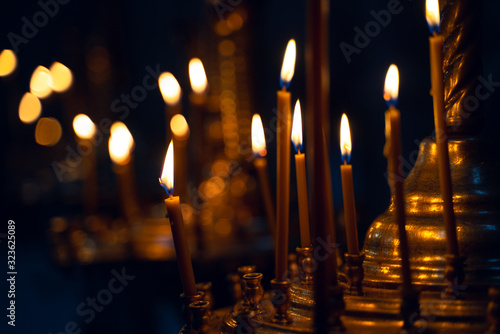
column 355, row 273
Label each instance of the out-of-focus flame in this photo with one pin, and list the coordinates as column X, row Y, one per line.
column 30, row 108
column 297, row 127
column 41, row 82
column 121, row 144
column 288, row 67
column 62, row 78
column 48, row 131
column 167, row 175
column 391, row 87
column 197, row 76
column 170, row 88
column 432, row 15
column 345, row 139
column 179, row 127
column 83, row 126
column 258, row 137
column 8, row 62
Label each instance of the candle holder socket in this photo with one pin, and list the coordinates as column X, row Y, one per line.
column 186, row 312
column 355, row 273
column 306, row 265
column 242, row 271
column 280, row 298
column 200, row 311
column 454, row 276
column 293, row 267
column 253, row 292
column 494, row 310
column 206, row 289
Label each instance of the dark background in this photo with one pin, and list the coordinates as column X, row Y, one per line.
column 168, row 33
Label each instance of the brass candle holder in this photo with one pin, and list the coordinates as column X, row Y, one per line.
column 200, row 311
column 186, row 311
column 306, row 266
column 355, row 273
column 280, row 298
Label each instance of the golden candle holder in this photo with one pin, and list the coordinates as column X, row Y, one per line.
column 306, row 266
column 187, row 313
column 355, row 273
column 280, row 297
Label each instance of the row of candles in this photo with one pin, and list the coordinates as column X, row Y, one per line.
column 285, row 132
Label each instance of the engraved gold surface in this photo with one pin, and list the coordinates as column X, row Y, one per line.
column 476, row 197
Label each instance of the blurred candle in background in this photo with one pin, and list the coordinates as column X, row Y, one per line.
column 121, row 145
column 85, row 131
column 180, row 130
column 260, row 163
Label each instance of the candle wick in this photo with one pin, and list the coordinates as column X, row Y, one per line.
column 298, row 151
column 345, row 161
column 170, row 196
column 283, row 88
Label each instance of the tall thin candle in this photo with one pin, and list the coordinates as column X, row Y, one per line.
column 177, row 224
column 437, row 92
column 347, row 188
column 300, row 168
column 283, row 163
column 396, row 181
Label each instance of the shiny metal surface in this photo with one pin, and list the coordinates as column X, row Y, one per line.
column 476, row 199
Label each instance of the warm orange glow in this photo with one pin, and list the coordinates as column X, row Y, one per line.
column 297, row 127
column 258, row 137
column 432, row 14
column 167, row 175
column 41, row 82
column 30, row 108
column 83, row 126
column 48, row 131
column 170, row 88
column 179, row 127
column 391, row 87
column 121, row 143
column 61, row 77
column 197, row 76
column 8, row 62
column 288, row 67
column 345, row 139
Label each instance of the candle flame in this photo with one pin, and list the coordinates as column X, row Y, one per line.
column 30, row 108
column 179, row 127
column 167, row 175
column 8, row 62
column 297, row 127
column 121, row 143
column 62, row 78
column 169, row 88
column 197, row 76
column 432, row 15
column 391, row 87
column 83, row 126
column 41, row 82
column 258, row 137
column 345, row 139
column 288, row 67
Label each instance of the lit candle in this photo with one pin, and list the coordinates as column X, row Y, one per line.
column 198, row 80
column 180, row 130
column 85, row 131
column 347, row 188
column 260, row 164
column 283, row 163
column 171, row 92
column 177, row 225
column 300, row 168
column 396, row 181
column 121, row 145
column 437, row 92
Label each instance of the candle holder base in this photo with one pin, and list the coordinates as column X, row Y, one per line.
column 355, row 273
column 306, row 265
column 454, row 275
column 280, row 298
column 186, row 312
